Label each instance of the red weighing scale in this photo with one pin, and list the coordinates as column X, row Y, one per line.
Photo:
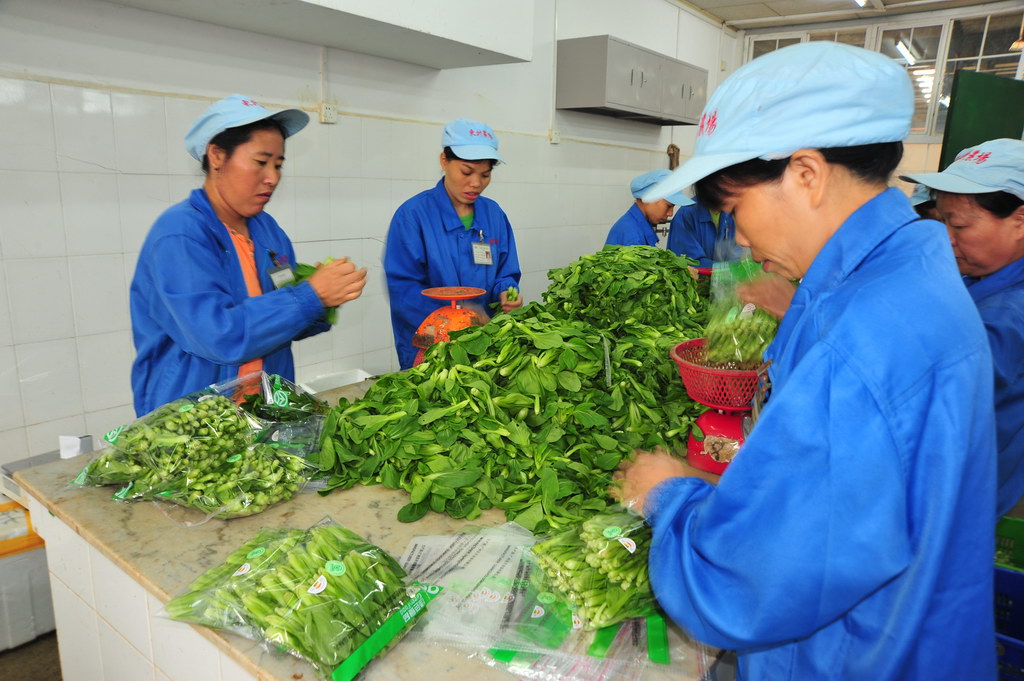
column 728, row 392
column 442, row 321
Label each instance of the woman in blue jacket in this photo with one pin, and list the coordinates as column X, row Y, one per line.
column 450, row 236
column 851, row 537
column 708, row 236
column 981, row 200
column 204, row 301
column 637, row 226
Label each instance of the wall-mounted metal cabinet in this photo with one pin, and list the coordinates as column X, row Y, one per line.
column 604, row 75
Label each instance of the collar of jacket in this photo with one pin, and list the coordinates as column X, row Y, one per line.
column 638, row 216
column 449, row 218
column 863, row 231
column 199, row 200
column 1010, row 276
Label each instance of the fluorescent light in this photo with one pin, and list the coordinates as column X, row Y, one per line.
column 861, row 3
column 902, row 48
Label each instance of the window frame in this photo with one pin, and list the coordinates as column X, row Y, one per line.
column 873, row 41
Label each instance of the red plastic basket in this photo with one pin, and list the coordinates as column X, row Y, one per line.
column 728, row 389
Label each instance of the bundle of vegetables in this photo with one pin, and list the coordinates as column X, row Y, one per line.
column 197, row 452
column 737, row 332
column 529, row 414
column 621, row 287
column 318, row 594
column 600, row 567
column 302, row 272
column 278, row 400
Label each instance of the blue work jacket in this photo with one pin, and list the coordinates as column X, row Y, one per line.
column 1000, row 300
column 692, row 233
column 851, row 538
column 427, row 246
column 193, row 321
column 632, row 229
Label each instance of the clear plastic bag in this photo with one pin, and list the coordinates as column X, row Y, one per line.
column 600, row 568
column 486, row 575
column 737, row 332
column 199, row 451
column 321, row 594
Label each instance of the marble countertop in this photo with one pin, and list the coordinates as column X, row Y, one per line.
column 151, row 544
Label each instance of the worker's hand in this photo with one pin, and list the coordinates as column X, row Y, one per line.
column 637, row 477
column 338, row 282
column 772, row 293
column 506, row 305
column 693, row 271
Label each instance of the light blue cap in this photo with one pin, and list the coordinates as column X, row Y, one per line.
column 922, row 194
column 814, row 95
column 641, row 183
column 993, row 166
column 471, row 140
column 233, row 112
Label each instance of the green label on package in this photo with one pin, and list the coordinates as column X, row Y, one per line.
column 335, row 568
column 123, row 492
column 256, row 552
column 186, row 407
column 80, row 478
column 280, row 398
column 546, row 597
column 612, row 531
column 112, row 435
column 391, row 628
column 233, row 458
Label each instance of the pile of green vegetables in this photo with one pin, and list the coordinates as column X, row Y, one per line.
column 600, row 567
column 199, row 453
column 532, row 412
column 318, row 594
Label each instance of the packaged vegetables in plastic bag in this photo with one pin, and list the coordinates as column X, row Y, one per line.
column 197, row 451
column 324, row 595
column 600, row 567
column 292, row 418
column 737, row 332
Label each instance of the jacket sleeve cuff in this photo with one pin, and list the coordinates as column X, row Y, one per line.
column 307, row 300
column 667, row 497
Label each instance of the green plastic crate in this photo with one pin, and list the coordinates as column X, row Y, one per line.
column 1010, row 543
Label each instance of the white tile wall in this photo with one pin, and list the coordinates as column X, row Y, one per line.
column 92, row 223
column 178, row 651
column 80, row 649
column 90, row 170
column 30, row 205
column 27, row 133
column 122, row 662
column 121, row 601
column 84, row 125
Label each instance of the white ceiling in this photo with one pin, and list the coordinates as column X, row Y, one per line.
column 748, row 14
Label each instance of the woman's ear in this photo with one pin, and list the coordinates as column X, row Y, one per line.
column 216, row 156
column 808, row 171
column 443, row 160
column 1016, row 219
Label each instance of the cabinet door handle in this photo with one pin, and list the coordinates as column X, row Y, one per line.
column 631, row 71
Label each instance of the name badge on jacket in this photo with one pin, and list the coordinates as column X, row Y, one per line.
column 482, row 254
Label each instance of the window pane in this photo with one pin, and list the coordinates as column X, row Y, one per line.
column 919, row 123
column 925, row 42
column 785, row 42
column 1000, row 66
column 853, row 37
column 1002, row 31
column 762, row 47
column 889, row 40
column 966, row 38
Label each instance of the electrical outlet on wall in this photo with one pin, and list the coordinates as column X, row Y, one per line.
column 328, row 113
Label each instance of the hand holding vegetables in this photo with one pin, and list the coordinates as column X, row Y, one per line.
column 510, row 299
column 337, row 282
column 638, row 476
column 772, row 293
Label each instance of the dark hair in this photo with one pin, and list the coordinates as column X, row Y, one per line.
column 450, row 155
column 232, row 138
column 1000, row 204
column 924, row 208
column 869, row 162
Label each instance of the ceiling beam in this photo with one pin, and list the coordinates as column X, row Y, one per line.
column 878, row 4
